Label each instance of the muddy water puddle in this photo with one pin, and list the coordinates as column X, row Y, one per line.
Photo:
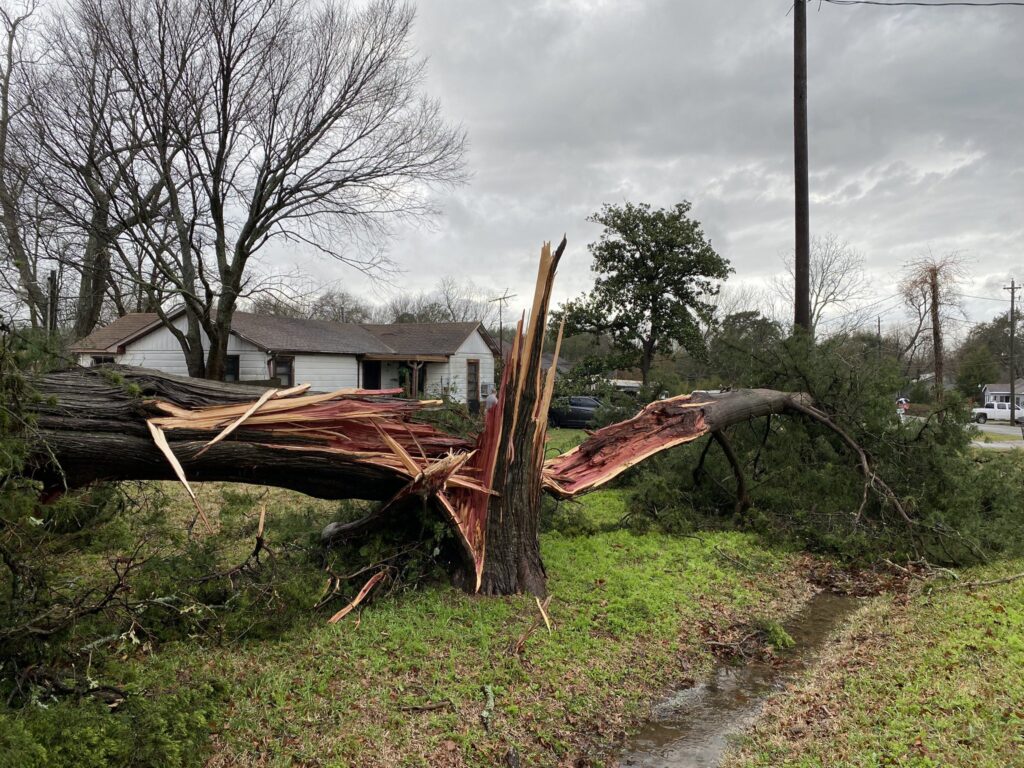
column 693, row 727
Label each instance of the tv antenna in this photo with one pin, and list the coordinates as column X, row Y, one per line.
column 502, row 303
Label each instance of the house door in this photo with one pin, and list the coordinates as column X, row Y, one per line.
column 473, row 385
column 371, row 374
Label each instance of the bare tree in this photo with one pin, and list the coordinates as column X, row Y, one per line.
column 838, row 282
column 86, row 157
column 264, row 119
column 930, row 286
column 16, row 162
column 465, row 301
column 333, row 305
column 419, row 307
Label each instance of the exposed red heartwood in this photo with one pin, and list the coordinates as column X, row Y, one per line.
column 616, row 448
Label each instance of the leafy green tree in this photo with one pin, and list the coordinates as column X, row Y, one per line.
column 995, row 336
column 736, row 344
column 654, row 271
column 977, row 366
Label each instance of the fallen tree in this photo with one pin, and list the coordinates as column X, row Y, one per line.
column 121, row 424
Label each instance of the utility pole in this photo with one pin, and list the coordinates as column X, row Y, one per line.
column 1012, row 288
column 933, row 285
column 802, row 252
column 879, row 338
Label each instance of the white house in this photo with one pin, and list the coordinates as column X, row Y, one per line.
column 1000, row 393
column 425, row 359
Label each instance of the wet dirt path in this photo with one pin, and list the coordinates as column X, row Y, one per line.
column 693, row 727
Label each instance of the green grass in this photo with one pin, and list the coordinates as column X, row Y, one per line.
column 625, row 610
column 562, row 440
column 936, row 680
column 403, row 681
column 992, row 437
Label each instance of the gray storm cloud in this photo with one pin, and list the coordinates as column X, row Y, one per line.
column 915, row 123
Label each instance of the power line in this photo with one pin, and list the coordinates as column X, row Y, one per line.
column 983, row 298
column 863, row 309
column 895, row 3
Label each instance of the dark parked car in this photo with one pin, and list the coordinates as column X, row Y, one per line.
column 577, row 411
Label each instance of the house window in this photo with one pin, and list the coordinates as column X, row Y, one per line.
column 283, row 369
column 102, row 359
column 231, row 366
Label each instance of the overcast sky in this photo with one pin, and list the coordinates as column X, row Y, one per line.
column 916, row 135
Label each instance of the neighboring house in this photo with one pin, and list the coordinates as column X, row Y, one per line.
column 1000, row 393
column 425, row 359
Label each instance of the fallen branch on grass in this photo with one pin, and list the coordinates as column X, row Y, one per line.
column 979, row 584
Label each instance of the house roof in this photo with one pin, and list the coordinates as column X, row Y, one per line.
column 289, row 334
column 427, row 338
column 1004, row 386
column 111, row 336
column 286, row 334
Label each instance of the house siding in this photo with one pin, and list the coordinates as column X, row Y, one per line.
column 451, row 376
column 160, row 350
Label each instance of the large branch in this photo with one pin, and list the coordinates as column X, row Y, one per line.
column 92, row 425
column 661, row 425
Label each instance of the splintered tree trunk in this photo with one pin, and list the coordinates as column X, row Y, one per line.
column 95, row 424
column 513, row 563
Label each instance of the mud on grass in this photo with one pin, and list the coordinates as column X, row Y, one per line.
column 926, row 678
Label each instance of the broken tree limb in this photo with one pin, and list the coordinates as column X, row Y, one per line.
column 358, row 445
column 94, row 425
column 104, row 425
column 661, row 425
column 742, row 498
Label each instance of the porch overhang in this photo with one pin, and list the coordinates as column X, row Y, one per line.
column 408, row 358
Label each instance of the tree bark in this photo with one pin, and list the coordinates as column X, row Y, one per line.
column 95, row 424
column 91, row 427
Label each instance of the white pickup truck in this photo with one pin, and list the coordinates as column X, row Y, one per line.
column 996, row 412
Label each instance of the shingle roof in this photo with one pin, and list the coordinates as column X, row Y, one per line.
column 288, row 334
column 111, row 335
column 1003, row 386
column 423, row 338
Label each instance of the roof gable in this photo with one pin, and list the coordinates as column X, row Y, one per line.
column 424, row 338
column 109, row 337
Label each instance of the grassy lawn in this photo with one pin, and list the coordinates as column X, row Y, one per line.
column 562, row 440
column 426, row 675
column 991, row 437
column 408, row 680
column 932, row 680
